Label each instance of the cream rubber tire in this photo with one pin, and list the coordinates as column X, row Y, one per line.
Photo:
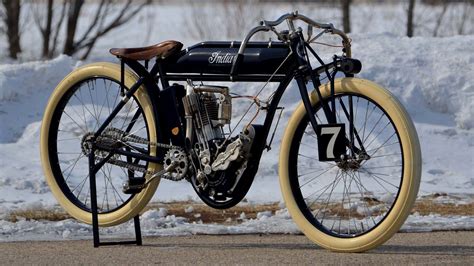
column 411, row 171
column 139, row 200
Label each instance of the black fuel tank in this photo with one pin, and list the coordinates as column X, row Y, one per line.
column 217, row 58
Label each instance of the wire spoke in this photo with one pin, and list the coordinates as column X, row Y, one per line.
column 329, row 197
column 378, row 177
column 84, row 106
column 73, row 166
column 80, row 127
column 312, row 179
column 311, row 172
column 386, row 155
column 373, row 128
column 109, row 171
column 378, row 134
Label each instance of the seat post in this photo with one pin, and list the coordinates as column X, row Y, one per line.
column 164, row 80
column 122, row 77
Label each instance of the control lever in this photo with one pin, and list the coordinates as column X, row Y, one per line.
column 310, row 32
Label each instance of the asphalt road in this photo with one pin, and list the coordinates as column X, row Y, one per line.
column 407, row 248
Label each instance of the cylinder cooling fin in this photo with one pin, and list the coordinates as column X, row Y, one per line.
column 209, row 108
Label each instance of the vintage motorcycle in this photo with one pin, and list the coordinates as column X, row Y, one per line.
column 350, row 159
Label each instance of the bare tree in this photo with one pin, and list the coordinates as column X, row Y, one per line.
column 439, row 20
column 244, row 14
column 2, row 18
column 346, row 15
column 106, row 16
column 99, row 25
column 410, row 12
column 49, row 28
column 74, row 10
column 465, row 16
column 12, row 23
column 236, row 17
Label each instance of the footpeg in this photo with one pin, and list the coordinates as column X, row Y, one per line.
column 134, row 185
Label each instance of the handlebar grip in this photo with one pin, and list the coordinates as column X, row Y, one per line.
column 235, row 65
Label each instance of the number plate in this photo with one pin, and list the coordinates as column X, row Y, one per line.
column 331, row 141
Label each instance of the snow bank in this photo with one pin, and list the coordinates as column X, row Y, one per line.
column 427, row 74
column 20, row 80
column 24, row 91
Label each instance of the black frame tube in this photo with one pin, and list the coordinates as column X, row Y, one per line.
column 351, row 125
column 306, row 102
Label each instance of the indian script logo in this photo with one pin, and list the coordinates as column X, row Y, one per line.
column 218, row 58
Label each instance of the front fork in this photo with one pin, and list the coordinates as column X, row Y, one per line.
column 303, row 71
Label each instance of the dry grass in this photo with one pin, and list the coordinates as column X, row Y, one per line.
column 206, row 214
column 39, row 214
column 428, row 204
column 427, row 207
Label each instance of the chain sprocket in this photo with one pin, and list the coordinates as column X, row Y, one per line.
column 177, row 158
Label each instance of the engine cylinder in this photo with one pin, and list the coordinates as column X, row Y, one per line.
column 210, row 108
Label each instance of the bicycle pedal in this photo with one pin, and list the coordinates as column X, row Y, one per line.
column 134, row 185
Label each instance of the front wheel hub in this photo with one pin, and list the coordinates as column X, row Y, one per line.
column 350, row 163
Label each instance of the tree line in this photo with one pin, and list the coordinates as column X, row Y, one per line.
column 410, row 14
column 52, row 16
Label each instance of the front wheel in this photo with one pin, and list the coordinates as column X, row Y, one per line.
column 360, row 200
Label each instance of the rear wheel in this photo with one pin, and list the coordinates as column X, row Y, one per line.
column 77, row 108
column 359, row 201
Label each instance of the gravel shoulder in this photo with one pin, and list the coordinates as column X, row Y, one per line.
column 412, row 248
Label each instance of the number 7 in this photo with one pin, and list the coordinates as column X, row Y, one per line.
column 330, row 148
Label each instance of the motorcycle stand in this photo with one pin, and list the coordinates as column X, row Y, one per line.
column 93, row 168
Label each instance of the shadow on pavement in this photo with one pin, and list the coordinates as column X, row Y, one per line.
column 284, row 246
column 384, row 249
column 425, row 250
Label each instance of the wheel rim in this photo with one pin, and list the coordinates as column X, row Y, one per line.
column 80, row 112
column 341, row 201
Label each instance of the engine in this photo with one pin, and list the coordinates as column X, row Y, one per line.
column 219, row 159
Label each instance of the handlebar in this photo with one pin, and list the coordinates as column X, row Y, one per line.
column 296, row 16
column 268, row 25
column 326, row 26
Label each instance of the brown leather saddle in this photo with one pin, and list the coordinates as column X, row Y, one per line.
column 161, row 50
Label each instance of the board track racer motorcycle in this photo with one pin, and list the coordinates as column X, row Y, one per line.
column 349, row 163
